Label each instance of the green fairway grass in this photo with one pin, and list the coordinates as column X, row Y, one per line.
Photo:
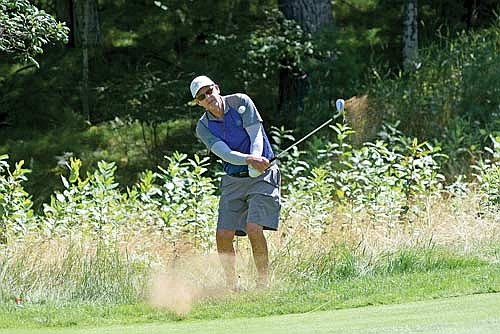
column 466, row 314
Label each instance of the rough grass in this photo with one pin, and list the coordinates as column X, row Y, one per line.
column 370, row 290
column 140, row 275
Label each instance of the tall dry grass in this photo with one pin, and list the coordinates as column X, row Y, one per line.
column 354, row 244
column 138, row 264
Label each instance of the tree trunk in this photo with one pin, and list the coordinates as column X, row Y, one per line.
column 85, row 83
column 86, row 19
column 312, row 16
column 410, row 35
column 87, row 36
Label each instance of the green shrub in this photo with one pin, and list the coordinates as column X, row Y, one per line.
column 453, row 97
column 93, row 204
column 16, row 214
column 488, row 174
column 25, row 29
column 386, row 179
column 187, row 200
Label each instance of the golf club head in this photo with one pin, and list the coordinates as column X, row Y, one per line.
column 340, row 103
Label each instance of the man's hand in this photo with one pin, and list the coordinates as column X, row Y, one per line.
column 258, row 163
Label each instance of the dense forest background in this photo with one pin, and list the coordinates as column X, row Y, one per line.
column 118, row 89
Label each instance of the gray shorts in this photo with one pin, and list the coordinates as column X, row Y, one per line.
column 247, row 199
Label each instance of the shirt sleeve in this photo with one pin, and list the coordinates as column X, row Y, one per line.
column 256, row 139
column 225, row 153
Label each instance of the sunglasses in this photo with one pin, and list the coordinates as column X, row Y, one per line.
column 203, row 96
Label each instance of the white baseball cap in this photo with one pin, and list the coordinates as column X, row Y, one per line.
column 200, row 82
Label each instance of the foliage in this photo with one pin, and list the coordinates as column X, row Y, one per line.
column 147, row 105
column 182, row 202
column 488, row 174
column 386, row 179
column 87, row 203
column 453, row 96
column 278, row 43
column 259, row 54
column 291, row 165
column 24, row 29
column 187, row 193
column 16, row 215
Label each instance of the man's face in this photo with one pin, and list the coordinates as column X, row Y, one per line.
column 208, row 97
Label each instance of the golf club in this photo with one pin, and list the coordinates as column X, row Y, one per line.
column 340, row 108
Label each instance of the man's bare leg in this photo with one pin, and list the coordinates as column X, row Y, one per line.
column 227, row 255
column 260, row 253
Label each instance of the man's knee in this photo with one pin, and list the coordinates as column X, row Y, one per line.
column 225, row 235
column 254, row 230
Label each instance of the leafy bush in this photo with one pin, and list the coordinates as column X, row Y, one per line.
column 16, row 214
column 24, row 29
column 93, row 204
column 279, row 43
column 488, row 174
column 453, row 96
column 386, row 179
column 183, row 201
column 186, row 198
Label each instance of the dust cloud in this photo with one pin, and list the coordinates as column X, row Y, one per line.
column 185, row 282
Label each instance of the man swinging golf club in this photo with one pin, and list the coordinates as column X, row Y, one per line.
column 231, row 128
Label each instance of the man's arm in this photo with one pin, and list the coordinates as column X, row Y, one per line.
column 223, row 151
column 256, row 163
column 256, row 139
column 254, row 160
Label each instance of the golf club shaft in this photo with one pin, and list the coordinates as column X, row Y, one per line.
column 282, row 153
